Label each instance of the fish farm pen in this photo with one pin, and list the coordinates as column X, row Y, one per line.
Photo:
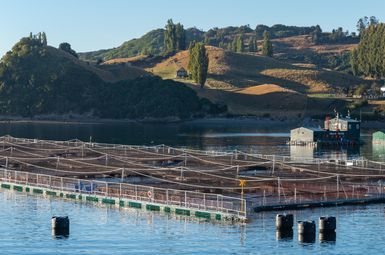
column 213, row 185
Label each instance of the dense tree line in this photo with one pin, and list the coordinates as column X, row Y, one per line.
column 36, row 80
column 279, row 30
column 174, row 37
column 198, row 63
column 368, row 58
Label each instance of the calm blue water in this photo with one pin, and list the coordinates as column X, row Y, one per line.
column 25, row 229
column 25, row 220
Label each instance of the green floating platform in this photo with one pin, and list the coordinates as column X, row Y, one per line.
column 153, row 207
column 92, row 199
column 121, row 203
column 50, row 193
column 18, row 188
column 167, row 209
column 135, row 205
column 218, row 216
column 205, row 215
column 72, row 196
column 182, row 212
column 5, row 186
column 27, row 189
column 108, row 201
column 37, row 191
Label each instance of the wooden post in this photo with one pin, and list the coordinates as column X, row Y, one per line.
column 122, row 177
column 279, row 190
column 273, row 164
column 185, row 198
column 204, row 201
column 295, row 194
column 338, row 186
column 325, row 198
column 264, row 197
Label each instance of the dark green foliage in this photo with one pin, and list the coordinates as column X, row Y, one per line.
column 253, row 45
column 365, row 22
column 279, row 31
column 354, row 61
column 316, row 34
column 267, row 46
column 369, row 57
column 174, row 37
column 198, row 63
column 36, row 80
column 44, row 39
column 239, row 44
column 67, row 48
column 336, row 36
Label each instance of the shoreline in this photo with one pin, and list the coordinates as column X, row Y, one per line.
column 260, row 121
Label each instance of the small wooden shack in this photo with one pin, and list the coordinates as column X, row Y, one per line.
column 181, row 73
column 378, row 137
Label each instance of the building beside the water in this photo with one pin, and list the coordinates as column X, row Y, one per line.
column 378, row 137
column 336, row 131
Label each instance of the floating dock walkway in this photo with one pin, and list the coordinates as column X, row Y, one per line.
column 183, row 181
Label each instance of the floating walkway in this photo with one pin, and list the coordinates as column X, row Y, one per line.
column 184, row 181
column 181, row 203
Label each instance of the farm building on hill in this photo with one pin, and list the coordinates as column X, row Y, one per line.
column 378, row 137
column 181, row 73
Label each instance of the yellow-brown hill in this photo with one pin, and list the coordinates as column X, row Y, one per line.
column 250, row 84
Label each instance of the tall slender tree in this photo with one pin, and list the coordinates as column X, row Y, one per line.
column 174, row 37
column 267, row 47
column 44, row 39
column 198, row 63
column 239, row 44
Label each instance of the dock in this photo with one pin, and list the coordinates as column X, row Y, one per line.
column 184, row 181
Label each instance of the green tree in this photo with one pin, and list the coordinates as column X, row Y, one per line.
column 174, row 37
column 267, row 46
column 67, row 48
column 239, row 44
column 180, row 34
column 371, row 51
column 316, row 35
column 354, row 61
column 198, row 63
column 44, row 39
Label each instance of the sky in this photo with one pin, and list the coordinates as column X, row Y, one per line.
column 100, row 24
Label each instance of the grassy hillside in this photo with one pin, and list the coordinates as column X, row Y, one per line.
column 229, row 70
column 263, row 86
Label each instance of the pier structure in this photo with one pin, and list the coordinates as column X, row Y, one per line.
column 209, row 184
